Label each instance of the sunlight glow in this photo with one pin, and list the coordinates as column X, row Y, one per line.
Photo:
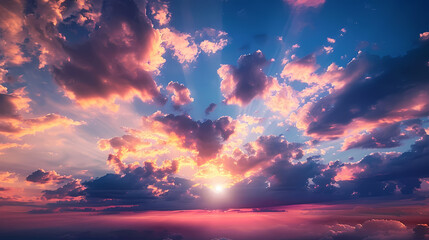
column 218, row 189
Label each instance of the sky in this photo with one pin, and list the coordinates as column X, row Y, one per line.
column 214, row 119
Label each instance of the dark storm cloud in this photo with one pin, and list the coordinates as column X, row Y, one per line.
column 376, row 89
column 210, row 108
column 241, row 84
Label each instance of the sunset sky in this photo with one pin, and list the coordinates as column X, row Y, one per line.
column 214, row 119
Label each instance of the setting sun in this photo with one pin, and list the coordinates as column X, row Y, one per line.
column 218, row 189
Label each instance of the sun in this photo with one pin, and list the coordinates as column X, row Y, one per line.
column 218, row 189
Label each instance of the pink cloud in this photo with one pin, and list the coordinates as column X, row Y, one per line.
column 305, row 3
column 424, row 36
column 183, row 45
column 12, row 27
column 212, row 47
column 160, row 13
column 181, row 95
column 47, row 177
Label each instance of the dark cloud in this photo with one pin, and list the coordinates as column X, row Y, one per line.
column 240, row 85
column 71, row 189
column 388, row 89
column 8, row 108
column 42, row 176
column 421, row 231
column 210, row 108
column 386, row 136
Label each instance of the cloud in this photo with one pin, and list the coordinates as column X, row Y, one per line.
column 210, row 108
column 262, row 152
column 116, row 61
column 281, row 98
column 205, row 138
column 424, row 36
column 211, row 40
column 241, row 84
column 305, row 3
column 12, row 27
column 12, row 103
column 330, row 40
column 14, row 125
column 146, row 184
column 69, row 190
column 212, row 47
column 182, row 44
column 47, row 177
column 373, row 93
column 16, row 128
column 328, row 49
column 181, row 94
column 8, row 177
column 160, row 12
column 385, row 136
column 382, row 229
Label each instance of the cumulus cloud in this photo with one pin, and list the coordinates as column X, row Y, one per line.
column 47, row 177
column 181, row 95
column 115, row 61
column 241, row 84
column 205, row 138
